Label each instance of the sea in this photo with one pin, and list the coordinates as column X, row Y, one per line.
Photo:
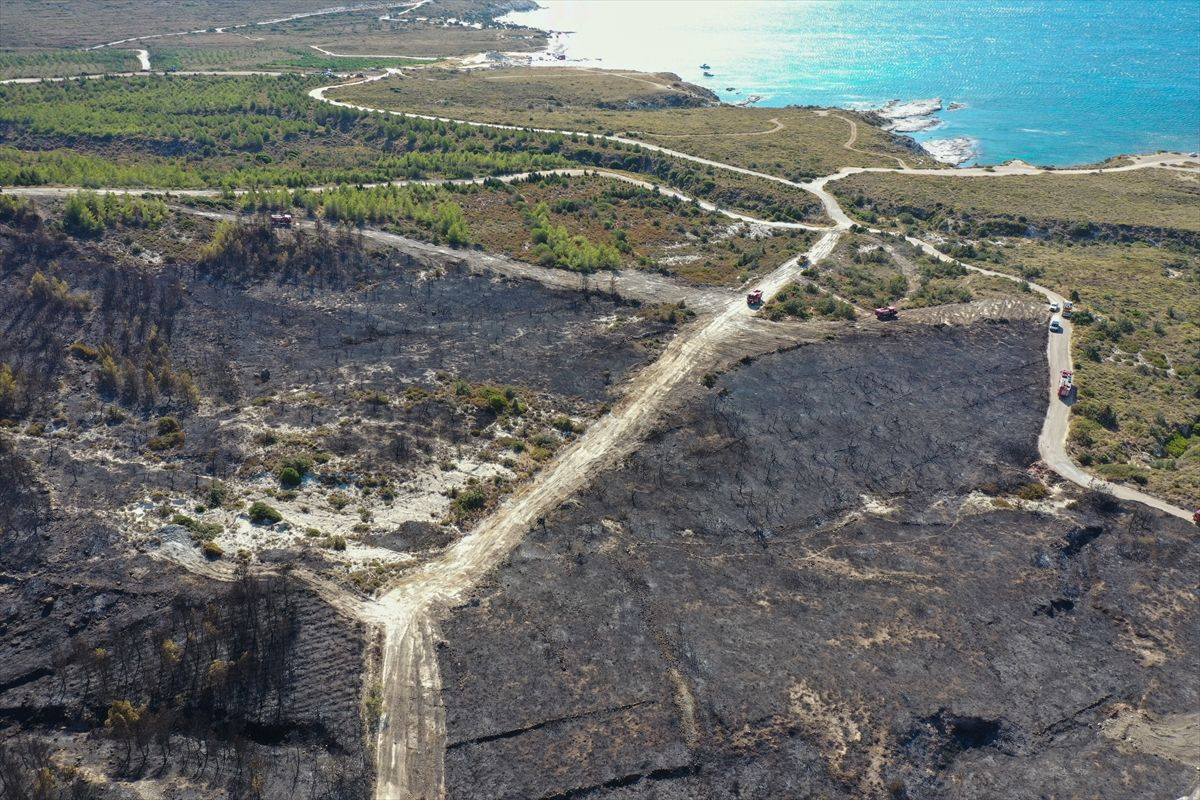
column 1052, row 83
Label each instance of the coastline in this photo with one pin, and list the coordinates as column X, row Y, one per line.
column 920, row 116
column 799, row 60
column 901, row 117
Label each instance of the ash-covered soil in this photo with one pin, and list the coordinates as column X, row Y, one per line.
column 395, row 387
column 235, row 689
column 390, row 385
column 795, row 590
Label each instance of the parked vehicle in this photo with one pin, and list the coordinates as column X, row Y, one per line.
column 1066, row 383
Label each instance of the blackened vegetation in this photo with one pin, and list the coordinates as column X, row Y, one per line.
column 127, row 312
column 254, row 690
column 250, row 689
column 206, row 688
column 724, row 612
column 24, row 504
column 245, row 253
column 262, row 309
column 938, row 739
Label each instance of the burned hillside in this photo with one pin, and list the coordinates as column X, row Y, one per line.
column 375, row 402
column 121, row 665
column 820, row 579
column 354, row 390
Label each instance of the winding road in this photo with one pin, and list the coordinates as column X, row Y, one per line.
column 411, row 737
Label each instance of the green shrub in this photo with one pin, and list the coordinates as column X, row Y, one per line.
column 263, row 514
column 1101, row 413
column 166, row 441
column 216, row 494
column 1033, row 491
column 289, row 477
column 470, row 500
column 567, row 425
column 1085, row 432
column 211, row 550
column 1176, row 446
column 1124, row 472
column 201, row 531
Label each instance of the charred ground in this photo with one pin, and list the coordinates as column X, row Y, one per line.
column 151, row 403
column 784, row 596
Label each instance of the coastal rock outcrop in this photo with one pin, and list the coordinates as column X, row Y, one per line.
column 957, row 150
column 910, row 116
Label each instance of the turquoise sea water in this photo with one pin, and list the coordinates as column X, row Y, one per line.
column 1049, row 82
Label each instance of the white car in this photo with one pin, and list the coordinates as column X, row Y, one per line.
column 1054, row 308
column 1055, row 326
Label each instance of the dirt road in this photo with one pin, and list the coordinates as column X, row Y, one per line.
column 1052, row 441
column 65, row 191
column 410, row 674
column 411, row 739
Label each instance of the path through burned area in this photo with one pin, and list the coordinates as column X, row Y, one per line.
column 792, row 590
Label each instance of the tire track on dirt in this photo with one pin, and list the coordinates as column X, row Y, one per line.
column 412, row 736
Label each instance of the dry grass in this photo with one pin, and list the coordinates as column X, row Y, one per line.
column 1152, row 198
column 499, row 95
column 790, row 142
column 365, row 34
column 38, row 23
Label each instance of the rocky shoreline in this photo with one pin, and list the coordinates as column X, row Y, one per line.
column 910, row 116
column 917, row 116
column 957, row 150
